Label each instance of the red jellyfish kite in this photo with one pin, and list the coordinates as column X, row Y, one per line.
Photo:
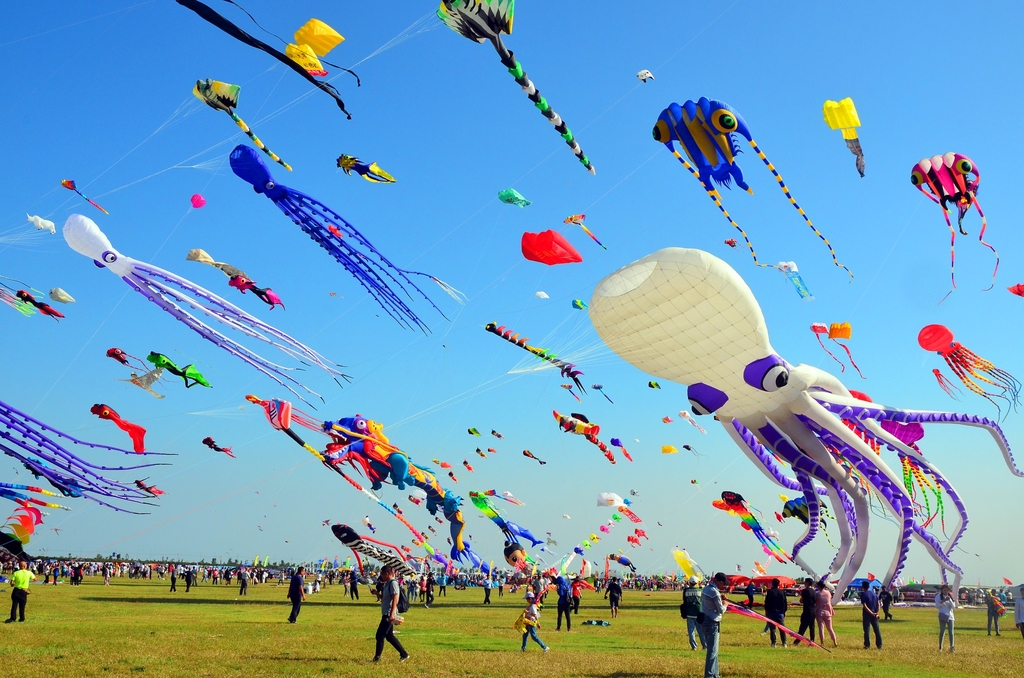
column 968, row 366
column 549, row 247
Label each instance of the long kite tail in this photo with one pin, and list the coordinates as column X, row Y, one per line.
column 259, row 144
column 981, row 239
column 792, row 201
column 850, row 356
column 716, row 198
column 508, row 60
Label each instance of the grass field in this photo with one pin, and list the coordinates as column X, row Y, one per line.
column 133, row 628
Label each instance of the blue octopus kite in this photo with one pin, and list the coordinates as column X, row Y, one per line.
column 705, row 129
column 347, row 245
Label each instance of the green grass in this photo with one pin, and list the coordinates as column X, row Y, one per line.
column 140, row 629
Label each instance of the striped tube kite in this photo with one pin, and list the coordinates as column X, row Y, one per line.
column 567, row 369
column 705, row 129
column 220, row 96
column 487, row 20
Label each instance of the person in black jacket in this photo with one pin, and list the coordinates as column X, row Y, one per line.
column 775, row 605
column 808, row 599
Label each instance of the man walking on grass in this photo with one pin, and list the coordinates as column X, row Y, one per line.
column 390, row 595
column 297, row 593
column 19, row 591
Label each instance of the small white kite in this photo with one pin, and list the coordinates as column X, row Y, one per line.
column 645, row 75
column 57, row 294
column 542, row 295
column 42, row 224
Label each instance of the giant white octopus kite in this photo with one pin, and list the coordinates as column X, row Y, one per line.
column 685, row 315
column 173, row 293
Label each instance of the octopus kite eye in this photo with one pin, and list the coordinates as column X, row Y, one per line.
column 661, row 132
column 917, row 178
column 724, row 120
column 108, row 257
column 705, row 399
column 269, row 186
column 964, row 166
column 767, row 374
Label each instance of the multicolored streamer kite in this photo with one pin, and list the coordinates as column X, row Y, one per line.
column 734, row 504
column 70, row 185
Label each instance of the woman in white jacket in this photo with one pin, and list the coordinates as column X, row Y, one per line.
column 945, row 604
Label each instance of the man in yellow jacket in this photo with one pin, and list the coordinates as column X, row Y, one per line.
column 19, row 591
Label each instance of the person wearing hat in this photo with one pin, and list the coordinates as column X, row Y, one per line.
column 690, row 610
column 1018, row 610
column 711, row 610
column 529, row 622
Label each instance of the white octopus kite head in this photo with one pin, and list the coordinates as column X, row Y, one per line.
column 687, row 316
column 86, row 238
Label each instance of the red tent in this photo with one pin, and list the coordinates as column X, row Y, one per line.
column 737, row 580
column 784, row 582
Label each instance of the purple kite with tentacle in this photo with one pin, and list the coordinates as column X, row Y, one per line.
column 340, row 238
column 685, row 315
column 38, row 447
column 172, row 293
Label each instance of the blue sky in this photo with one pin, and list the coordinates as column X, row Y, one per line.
column 100, row 93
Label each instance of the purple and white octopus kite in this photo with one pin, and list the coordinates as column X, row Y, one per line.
column 39, row 448
column 158, row 285
column 687, row 316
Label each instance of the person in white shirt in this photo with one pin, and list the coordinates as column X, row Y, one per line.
column 945, row 604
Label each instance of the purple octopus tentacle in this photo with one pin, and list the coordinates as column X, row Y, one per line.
column 859, row 409
column 893, row 493
column 8, row 411
column 343, row 253
column 227, row 313
column 85, row 487
column 813, row 512
column 327, row 214
column 269, row 369
column 800, row 439
column 767, row 462
column 883, row 437
column 43, row 445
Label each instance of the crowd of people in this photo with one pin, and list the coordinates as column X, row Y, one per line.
column 703, row 602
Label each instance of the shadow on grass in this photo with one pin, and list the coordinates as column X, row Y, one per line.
column 215, row 601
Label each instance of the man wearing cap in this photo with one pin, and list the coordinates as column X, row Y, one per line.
column 19, row 591
column 712, row 608
column 691, row 610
